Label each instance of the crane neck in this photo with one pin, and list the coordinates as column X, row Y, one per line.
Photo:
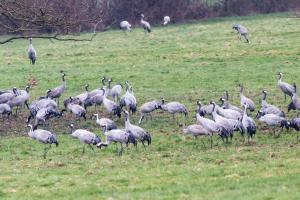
column 264, row 96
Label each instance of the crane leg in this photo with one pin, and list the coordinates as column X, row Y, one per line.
column 141, row 119
column 211, row 141
column 91, row 148
column 284, row 97
column 83, row 149
column 121, row 151
column 46, row 149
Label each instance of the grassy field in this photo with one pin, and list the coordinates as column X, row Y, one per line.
column 183, row 62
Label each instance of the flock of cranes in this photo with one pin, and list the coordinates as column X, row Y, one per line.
column 224, row 121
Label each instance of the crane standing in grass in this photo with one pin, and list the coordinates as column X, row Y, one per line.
column 242, row 31
column 31, row 52
column 125, row 26
column 146, row 26
column 58, row 91
column 43, row 136
column 167, row 20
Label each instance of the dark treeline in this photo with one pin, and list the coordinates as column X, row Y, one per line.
column 66, row 16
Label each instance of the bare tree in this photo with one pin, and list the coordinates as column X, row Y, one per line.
column 52, row 18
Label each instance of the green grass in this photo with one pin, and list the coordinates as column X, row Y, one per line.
column 185, row 62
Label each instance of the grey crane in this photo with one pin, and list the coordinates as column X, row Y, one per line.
column 85, row 137
column 25, row 94
column 128, row 100
column 43, row 136
column 31, row 52
column 44, row 114
column 8, row 95
column 295, row 123
column 248, row 124
column 125, row 26
column 167, row 20
column 286, row 88
column 273, row 120
column 149, row 107
column 19, row 101
column 76, row 109
column 36, row 105
column 105, row 123
column 118, row 136
column 234, row 122
column 268, row 108
column 137, row 132
column 146, row 26
column 111, row 107
column 108, row 89
column 225, row 103
column 196, row 130
column 203, row 110
column 225, row 122
column 83, row 96
column 295, row 104
column 58, row 91
column 116, row 91
column 212, row 127
column 98, row 90
column 73, row 100
column 242, row 31
column 173, row 108
column 5, row 109
column 228, row 113
column 246, row 100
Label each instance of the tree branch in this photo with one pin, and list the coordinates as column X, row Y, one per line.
column 53, row 37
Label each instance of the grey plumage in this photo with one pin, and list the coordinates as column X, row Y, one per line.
column 105, row 123
column 196, row 130
column 111, row 107
column 174, row 107
column 242, row 31
column 117, row 136
column 137, row 132
column 58, row 91
column 225, row 104
column 268, row 108
column 286, row 88
column 116, row 91
column 128, row 100
column 167, row 20
column 248, row 124
column 76, row 109
column 225, row 122
column 273, row 120
column 83, row 96
column 246, row 100
column 44, row 114
column 125, row 26
column 146, row 26
column 5, row 109
column 31, row 52
column 295, row 104
column 228, row 113
column 43, row 136
column 85, row 137
column 203, row 110
column 295, row 123
column 5, row 96
column 149, row 107
column 212, row 127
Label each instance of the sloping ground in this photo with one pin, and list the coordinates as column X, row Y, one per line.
column 184, row 62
